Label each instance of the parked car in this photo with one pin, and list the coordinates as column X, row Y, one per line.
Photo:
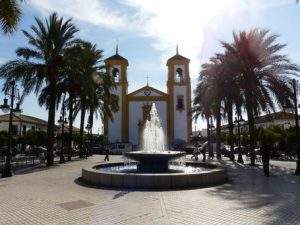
column 257, row 151
column 3, row 150
column 38, row 151
column 226, row 150
column 97, row 149
column 178, row 145
column 236, row 150
column 189, row 149
column 120, row 147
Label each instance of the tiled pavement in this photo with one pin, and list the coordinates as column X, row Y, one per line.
column 53, row 196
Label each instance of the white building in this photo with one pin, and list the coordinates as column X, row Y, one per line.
column 284, row 120
column 22, row 123
column 174, row 107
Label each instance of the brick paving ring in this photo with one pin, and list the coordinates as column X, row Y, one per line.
column 118, row 175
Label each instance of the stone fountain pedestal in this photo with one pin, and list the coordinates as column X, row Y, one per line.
column 153, row 162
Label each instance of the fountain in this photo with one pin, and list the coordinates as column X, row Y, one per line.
column 154, row 166
column 153, row 158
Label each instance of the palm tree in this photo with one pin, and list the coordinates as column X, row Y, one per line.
column 10, row 15
column 213, row 73
column 260, row 72
column 202, row 106
column 47, row 42
column 93, row 93
column 72, row 85
column 221, row 95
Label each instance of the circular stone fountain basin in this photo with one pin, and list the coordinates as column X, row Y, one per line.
column 153, row 162
column 100, row 175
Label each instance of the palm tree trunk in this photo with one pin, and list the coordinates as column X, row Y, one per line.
column 91, row 123
column 297, row 171
column 208, row 139
column 71, row 109
column 218, row 133
column 51, row 124
column 230, row 127
column 251, row 129
column 82, row 118
column 91, row 118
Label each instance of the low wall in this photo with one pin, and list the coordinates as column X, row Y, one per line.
column 214, row 176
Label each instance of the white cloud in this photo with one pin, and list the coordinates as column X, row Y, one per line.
column 90, row 11
column 186, row 23
column 195, row 25
column 180, row 22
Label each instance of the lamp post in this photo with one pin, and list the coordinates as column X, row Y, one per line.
column 62, row 121
column 89, row 129
column 295, row 100
column 295, row 86
column 211, row 150
column 7, row 171
column 238, row 120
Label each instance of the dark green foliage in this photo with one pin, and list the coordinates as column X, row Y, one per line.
column 3, row 138
column 39, row 66
column 31, row 137
column 250, row 75
column 10, row 15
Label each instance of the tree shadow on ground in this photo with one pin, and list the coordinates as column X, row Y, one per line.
column 277, row 197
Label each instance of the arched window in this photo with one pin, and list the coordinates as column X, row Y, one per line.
column 116, row 74
column 179, row 75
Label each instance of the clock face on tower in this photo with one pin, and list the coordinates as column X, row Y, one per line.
column 147, row 92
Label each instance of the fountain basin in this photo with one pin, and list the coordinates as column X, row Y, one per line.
column 153, row 162
column 214, row 175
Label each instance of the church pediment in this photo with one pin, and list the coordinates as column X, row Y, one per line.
column 147, row 91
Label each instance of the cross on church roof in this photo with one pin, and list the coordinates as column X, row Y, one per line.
column 117, row 47
column 147, row 77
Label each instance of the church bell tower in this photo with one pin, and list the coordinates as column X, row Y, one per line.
column 179, row 91
column 116, row 130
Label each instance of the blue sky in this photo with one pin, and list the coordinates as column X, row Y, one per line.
column 148, row 31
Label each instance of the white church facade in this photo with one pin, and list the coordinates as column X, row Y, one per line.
column 174, row 107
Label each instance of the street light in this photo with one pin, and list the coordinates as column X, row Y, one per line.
column 62, row 121
column 89, row 129
column 239, row 119
column 210, row 148
column 7, row 171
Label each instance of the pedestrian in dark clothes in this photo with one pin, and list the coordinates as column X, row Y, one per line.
column 266, row 148
column 106, row 154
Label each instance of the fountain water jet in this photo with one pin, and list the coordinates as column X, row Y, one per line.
column 152, row 137
column 153, row 158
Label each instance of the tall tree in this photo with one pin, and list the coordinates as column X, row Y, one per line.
column 212, row 72
column 71, row 83
column 10, row 15
column 95, row 85
column 202, row 106
column 41, row 74
column 260, row 71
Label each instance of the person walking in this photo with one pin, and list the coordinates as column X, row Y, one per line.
column 266, row 148
column 106, row 154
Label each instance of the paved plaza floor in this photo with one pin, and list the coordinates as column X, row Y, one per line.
column 54, row 196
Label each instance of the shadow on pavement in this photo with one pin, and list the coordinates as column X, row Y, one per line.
column 277, row 196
